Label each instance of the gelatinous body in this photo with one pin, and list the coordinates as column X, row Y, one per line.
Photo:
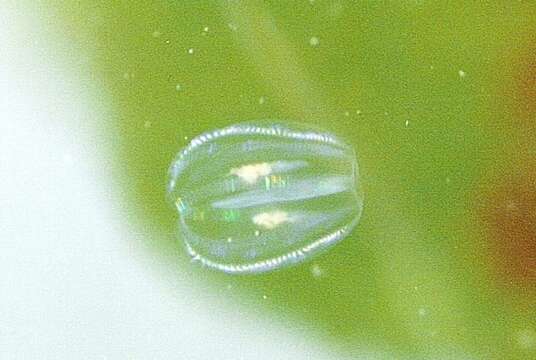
column 253, row 197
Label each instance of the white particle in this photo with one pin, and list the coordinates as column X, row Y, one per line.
column 314, row 41
column 407, row 123
column 257, row 232
column 358, row 112
column 167, row 41
column 316, row 271
column 461, row 73
column 186, row 138
column 190, row 51
column 205, row 29
column 265, row 297
column 178, row 87
column 229, row 239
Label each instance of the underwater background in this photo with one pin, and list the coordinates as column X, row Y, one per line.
column 437, row 98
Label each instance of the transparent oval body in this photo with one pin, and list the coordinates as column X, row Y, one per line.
column 253, row 197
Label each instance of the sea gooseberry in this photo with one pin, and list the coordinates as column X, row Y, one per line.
column 254, row 197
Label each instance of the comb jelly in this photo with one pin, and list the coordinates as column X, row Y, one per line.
column 254, row 197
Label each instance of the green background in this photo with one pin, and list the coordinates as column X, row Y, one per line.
column 436, row 96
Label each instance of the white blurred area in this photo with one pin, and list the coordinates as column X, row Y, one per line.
column 75, row 282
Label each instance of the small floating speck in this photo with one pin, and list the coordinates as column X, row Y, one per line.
column 316, row 271
column 346, row 113
column 186, row 138
column 462, row 73
column 262, row 99
column 358, row 112
column 229, row 239
column 205, row 29
column 190, row 51
column 167, row 41
column 407, row 123
column 178, row 87
column 265, row 297
column 314, row 41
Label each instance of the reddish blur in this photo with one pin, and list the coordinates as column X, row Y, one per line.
column 510, row 216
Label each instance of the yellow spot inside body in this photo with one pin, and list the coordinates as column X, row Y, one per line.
column 251, row 173
column 270, row 220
